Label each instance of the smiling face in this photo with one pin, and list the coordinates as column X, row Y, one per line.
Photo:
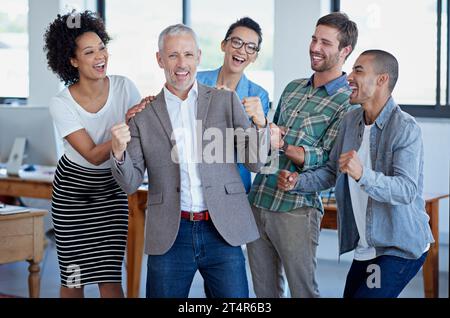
column 324, row 49
column 179, row 58
column 236, row 60
column 363, row 80
column 91, row 56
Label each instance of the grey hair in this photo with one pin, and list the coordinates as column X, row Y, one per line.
column 175, row 29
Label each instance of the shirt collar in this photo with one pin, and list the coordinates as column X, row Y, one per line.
column 332, row 86
column 385, row 114
column 216, row 73
column 169, row 96
column 242, row 86
column 383, row 117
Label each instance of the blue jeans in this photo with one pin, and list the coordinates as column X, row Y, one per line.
column 198, row 246
column 394, row 274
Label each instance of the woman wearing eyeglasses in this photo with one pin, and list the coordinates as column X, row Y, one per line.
column 241, row 46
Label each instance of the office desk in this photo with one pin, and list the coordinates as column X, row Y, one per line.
column 40, row 189
column 22, row 239
column 137, row 203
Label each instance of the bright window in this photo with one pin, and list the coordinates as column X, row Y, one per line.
column 14, row 48
column 407, row 30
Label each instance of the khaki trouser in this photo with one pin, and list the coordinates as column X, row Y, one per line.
column 288, row 241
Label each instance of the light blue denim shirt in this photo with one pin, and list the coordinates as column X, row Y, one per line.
column 245, row 88
column 396, row 221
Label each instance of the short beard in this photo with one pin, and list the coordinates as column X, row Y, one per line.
column 328, row 65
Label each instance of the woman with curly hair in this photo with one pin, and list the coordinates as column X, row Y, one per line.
column 89, row 210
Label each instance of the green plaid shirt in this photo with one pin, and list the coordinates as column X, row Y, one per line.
column 312, row 117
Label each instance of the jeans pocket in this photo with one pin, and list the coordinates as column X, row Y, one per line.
column 399, row 265
column 297, row 214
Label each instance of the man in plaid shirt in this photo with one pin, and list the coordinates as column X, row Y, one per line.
column 304, row 129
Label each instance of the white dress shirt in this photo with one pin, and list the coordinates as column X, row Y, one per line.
column 182, row 115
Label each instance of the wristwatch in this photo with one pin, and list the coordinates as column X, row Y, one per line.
column 285, row 146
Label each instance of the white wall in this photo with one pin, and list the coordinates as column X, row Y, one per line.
column 294, row 24
column 43, row 83
column 295, row 21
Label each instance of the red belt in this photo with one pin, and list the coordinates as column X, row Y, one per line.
column 195, row 216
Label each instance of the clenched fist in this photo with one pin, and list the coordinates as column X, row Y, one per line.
column 349, row 163
column 254, row 110
column 277, row 134
column 120, row 138
column 287, row 180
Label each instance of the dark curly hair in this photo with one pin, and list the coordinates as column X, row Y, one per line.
column 60, row 42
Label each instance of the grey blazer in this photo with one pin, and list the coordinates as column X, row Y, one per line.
column 150, row 148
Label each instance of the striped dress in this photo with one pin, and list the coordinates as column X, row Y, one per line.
column 90, row 218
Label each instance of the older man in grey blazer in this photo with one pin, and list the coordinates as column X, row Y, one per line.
column 198, row 213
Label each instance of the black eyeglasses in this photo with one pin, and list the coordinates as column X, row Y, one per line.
column 237, row 43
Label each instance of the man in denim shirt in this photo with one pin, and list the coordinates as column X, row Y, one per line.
column 377, row 165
